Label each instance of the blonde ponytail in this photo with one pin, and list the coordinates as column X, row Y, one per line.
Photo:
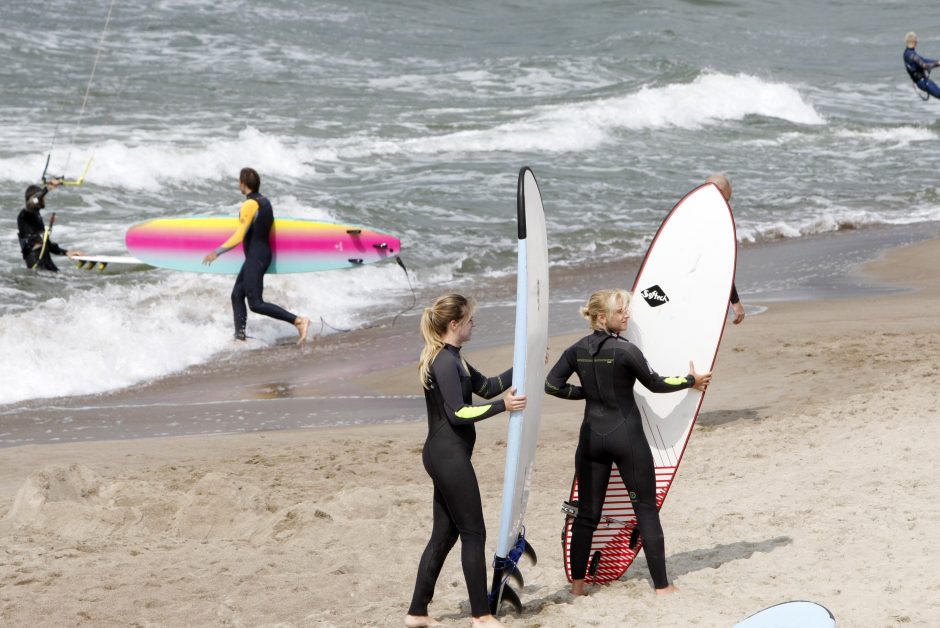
column 605, row 302
column 434, row 322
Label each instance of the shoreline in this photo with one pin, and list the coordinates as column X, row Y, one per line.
column 200, row 399
column 796, row 485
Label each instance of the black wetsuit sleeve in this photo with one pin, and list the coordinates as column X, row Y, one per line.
column 446, row 372
column 556, row 383
column 734, row 294
column 489, row 387
column 633, row 360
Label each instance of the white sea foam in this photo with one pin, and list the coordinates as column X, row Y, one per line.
column 80, row 344
column 831, row 221
column 710, row 99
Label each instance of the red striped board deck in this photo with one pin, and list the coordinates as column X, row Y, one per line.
column 678, row 312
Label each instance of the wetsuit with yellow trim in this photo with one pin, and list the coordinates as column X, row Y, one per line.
column 31, row 231
column 255, row 219
column 612, row 433
column 458, row 508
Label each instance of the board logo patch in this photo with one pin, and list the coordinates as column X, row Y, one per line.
column 655, row 296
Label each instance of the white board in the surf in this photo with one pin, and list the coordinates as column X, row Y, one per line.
column 678, row 311
column 109, row 263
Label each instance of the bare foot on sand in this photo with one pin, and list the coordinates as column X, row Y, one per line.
column 577, row 588
column 415, row 621
column 487, row 621
column 669, row 590
column 302, row 324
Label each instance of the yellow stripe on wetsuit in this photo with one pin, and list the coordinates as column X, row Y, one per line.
column 246, row 216
column 472, row 412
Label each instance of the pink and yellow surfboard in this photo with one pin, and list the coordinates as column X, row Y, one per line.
column 298, row 246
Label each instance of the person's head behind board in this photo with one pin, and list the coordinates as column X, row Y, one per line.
column 250, row 178
column 435, row 321
column 603, row 305
column 34, row 199
column 911, row 39
column 723, row 183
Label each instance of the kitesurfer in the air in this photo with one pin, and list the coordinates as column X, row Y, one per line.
column 255, row 220
column 35, row 244
column 918, row 67
column 612, row 433
column 449, row 383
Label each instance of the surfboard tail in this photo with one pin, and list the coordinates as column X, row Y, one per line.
column 506, row 569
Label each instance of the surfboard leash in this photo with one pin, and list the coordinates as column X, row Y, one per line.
column 414, row 301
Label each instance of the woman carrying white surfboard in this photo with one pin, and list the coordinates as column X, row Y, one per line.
column 255, row 219
column 612, row 432
column 449, row 383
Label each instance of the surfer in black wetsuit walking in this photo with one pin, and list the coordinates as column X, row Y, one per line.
column 449, row 383
column 612, row 431
column 35, row 245
column 255, row 220
column 724, row 186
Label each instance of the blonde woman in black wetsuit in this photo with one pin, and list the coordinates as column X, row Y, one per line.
column 449, row 382
column 255, row 219
column 612, row 431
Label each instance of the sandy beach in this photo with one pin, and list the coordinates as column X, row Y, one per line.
column 810, row 475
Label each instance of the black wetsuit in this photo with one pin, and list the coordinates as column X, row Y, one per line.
column 31, row 229
column 250, row 282
column 918, row 69
column 458, row 509
column 612, row 433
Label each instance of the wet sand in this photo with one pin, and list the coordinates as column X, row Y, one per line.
column 810, row 475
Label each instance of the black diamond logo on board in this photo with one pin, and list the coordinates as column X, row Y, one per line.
column 655, row 296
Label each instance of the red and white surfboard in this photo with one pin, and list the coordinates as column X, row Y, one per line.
column 678, row 312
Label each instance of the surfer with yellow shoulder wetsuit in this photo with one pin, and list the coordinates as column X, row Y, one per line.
column 36, row 246
column 449, row 383
column 608, row 366
column 255, row 219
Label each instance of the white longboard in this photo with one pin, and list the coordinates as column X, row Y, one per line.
column 528, row 378
column 109, row 263
column 678, row 311
column 799, row 614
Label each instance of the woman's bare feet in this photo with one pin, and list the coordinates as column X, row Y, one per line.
column 487, row 621
column 303, row 324
column 577, row 587
column 420, row 621
column 667, row 590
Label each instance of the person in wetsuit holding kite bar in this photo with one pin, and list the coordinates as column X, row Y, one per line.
column 255, row 219
column 918, row 67
column 449, row 383
column 35, row 245
column 612, row 431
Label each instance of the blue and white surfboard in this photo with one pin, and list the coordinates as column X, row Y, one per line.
column 528, row 377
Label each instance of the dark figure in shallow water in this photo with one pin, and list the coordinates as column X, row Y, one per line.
column 35, row 245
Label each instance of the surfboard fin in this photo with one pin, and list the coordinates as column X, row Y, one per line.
column 595, row 560
column 634, row 537
column 354, row 231
column 507, row 568
column 529, row 552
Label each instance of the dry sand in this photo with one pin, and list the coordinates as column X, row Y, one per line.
column 811, row 474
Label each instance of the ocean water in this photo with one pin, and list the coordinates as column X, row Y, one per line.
column 414, row 118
